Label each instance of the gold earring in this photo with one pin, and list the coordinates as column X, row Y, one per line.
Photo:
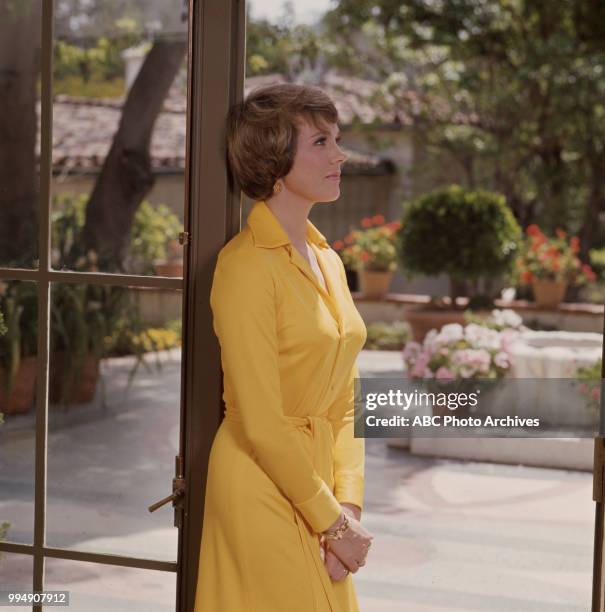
column 277, row 188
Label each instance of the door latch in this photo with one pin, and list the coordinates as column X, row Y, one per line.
column 177, row 495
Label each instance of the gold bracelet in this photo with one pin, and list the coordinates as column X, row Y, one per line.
column 338, row 532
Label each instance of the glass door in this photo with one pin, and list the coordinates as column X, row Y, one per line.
column 109, row 375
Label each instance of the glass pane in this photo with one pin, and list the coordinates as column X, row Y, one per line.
column 18, row 349
column 95, row 587
column 115, row 372
column 16, row 571
column 119, row 121
column 19, row 132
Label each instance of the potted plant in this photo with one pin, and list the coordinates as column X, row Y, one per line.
column 18, row 347
column 470, row 235
column 549, row 265
column 371, row 252
column 85, row 317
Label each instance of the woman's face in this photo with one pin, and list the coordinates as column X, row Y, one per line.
column 317, row 157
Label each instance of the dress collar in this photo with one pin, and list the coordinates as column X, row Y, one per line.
column 268, row 232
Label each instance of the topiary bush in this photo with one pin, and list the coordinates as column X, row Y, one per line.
column 466, row 234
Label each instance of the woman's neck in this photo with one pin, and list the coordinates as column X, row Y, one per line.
column 293, row 217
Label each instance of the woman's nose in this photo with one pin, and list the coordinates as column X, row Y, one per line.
column 341, row 155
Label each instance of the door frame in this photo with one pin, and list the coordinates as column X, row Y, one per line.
column 217, row 43
column 216, row 69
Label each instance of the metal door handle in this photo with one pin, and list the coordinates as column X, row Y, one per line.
column 177, row 493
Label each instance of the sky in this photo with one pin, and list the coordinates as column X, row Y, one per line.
column 305, row 11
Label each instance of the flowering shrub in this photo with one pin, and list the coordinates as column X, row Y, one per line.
column 472, row 351
column 370, row 248
column 551, row 259
column 498, row 319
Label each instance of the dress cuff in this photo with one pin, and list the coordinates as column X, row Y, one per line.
column 322, row 510
column 349, row 488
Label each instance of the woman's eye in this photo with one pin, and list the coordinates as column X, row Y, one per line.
column 323, row 140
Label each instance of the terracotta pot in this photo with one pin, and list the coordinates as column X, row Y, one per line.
column 373, row 284
column 169, row 268
column 422, row 320
column 547, row 293
column 21, row 398
column 84, row 387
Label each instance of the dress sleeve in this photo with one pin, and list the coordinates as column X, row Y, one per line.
column 349, row 452
column 243, row 302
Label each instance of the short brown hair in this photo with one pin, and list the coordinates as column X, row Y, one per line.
column 262, row 132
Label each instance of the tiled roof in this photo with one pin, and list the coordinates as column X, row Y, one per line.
column 83, row 127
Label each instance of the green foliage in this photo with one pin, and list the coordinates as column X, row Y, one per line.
column 78, row 87
column 126, row 342
column 86, row 318
column 94, row 71
column 508, row 95
column 597, row 262
column 387, row 336
column 590, row 383
column 18, row 302
column 284, row 48
column 3, row 327
column 370, row 248
column 152, row 227
column 463, row 233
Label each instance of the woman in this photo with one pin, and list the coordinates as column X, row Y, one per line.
column 285, row 477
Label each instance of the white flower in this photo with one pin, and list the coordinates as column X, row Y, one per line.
column 452, row 332
column 506, row 318
column 482, row 337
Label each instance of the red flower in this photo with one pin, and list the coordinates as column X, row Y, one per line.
column 338, row 244
column 553, row 252
column 378, row 219
column 527, row 276
column 366, row 222
column 560, row 233
column 364, row 256
column 349, row 239
column 533, row 230
column 574, row 243
column 589, row 273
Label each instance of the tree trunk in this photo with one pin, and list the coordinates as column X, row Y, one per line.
column 126, row 176
column 19, row 69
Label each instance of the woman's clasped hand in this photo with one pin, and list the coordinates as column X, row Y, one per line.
column 349, row 553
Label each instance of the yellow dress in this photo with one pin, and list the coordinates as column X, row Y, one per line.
column 285, row 455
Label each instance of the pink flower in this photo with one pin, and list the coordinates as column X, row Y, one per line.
column 502, row 359
column 422, row 361
column 444, row 373
column 595, row 394
column 411, row 350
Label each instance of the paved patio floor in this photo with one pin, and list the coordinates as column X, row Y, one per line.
column 449, row 536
